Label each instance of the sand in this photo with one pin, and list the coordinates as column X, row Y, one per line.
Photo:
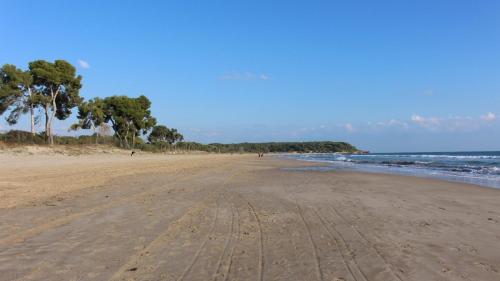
column 236, row 217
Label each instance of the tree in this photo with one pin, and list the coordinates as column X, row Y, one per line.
column 174, row 136
column 58, row 87
column 19, row 93
column 8, row 89
column 159, row 135
column 90, row 115
column 128, row 117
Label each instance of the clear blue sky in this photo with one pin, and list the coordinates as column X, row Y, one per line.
column 383, row 75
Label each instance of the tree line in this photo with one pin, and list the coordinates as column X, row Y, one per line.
column 285, row 147
column 52, row 89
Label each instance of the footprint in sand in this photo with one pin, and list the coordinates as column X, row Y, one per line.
column 486, row 267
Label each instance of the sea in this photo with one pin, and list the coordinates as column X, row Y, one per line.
column 478, row 167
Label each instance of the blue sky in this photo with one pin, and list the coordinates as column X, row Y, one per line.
column 383, row 75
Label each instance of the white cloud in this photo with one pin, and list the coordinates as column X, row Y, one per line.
column 426, row 122
column 452, row 123
column 83, row 64
column 244, row 76
column 349, row 127
column 489, row 117
column 390, row 123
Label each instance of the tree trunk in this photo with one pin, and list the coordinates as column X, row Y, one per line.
column 133, row 140
column 51, row 137
column 127, row 146
column 32, row 113
column 117, row 134
column 120, row 139
column 54, row 109
column 47, row 122
column 95, row 131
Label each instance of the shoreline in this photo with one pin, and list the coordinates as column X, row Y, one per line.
column 328, row 165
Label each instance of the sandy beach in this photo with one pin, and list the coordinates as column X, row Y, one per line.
column 237, row 217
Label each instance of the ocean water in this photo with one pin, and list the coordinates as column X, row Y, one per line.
column 480, row 168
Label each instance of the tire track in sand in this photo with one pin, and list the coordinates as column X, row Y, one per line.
column 337, row 244
column 207, row 238
column 202, row 245
column 226, row 244
column 158, row 240
column 155, row 242
column 229, row 241
column 368, row 242
column 340, row 238
column 261, row 242
column 33, row 231
column 311, row 242
column 26, row 234
column 231, row 253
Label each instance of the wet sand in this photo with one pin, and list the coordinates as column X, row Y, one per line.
column 237, row 217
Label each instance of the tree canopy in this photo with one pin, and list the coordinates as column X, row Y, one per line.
column 286, row 147
column 159, row 134
column 58, row 89
column 19, row 94
column 90, row 114
column 129, row 117
column 162, row 135
column 11, row 80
